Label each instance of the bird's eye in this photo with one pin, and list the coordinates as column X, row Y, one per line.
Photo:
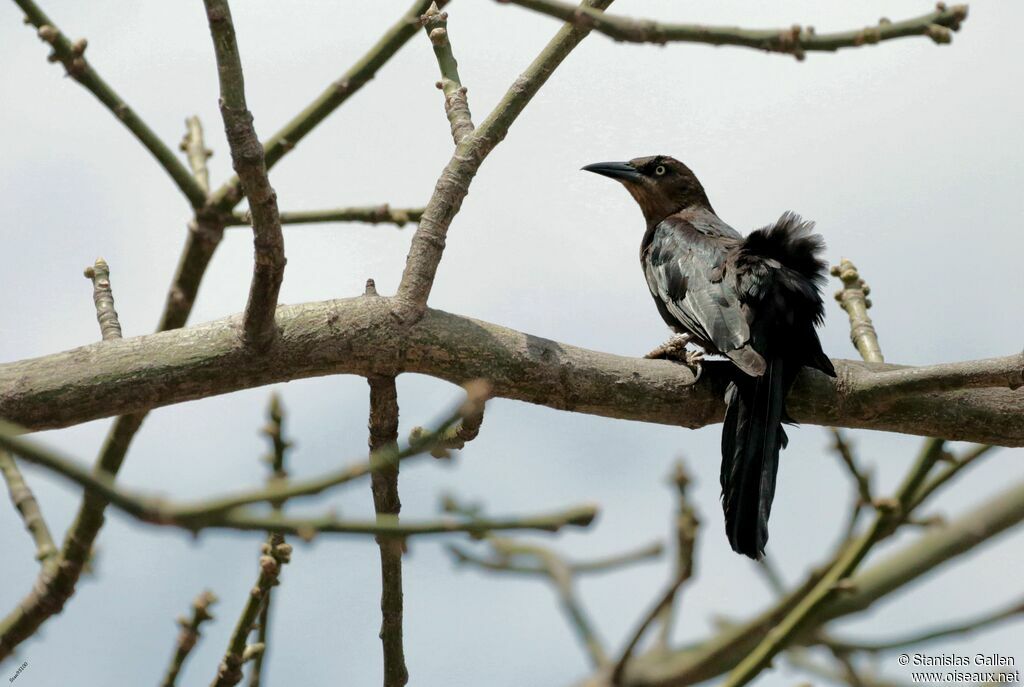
column 659, row 170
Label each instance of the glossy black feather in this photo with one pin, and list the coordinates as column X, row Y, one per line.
column 756, row 300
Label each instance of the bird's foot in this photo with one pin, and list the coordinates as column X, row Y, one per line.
column 673, row 349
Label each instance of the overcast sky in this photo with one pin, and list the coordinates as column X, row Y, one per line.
column 907, row 155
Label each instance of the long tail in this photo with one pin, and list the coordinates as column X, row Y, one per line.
column 752, row 437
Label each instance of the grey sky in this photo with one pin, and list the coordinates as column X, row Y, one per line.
column 907, row 155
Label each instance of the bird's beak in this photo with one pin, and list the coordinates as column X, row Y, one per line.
column 621, row 171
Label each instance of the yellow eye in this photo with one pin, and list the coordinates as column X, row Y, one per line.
column 659, row 170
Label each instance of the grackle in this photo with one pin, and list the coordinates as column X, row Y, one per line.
column 754, row 300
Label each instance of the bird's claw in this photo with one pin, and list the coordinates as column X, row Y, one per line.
column 673, row 349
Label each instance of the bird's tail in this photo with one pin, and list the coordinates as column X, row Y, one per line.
column 752, row 437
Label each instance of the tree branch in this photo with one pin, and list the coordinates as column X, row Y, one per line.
column 248, row 160
column 686, row 526
column 274, row 431
column 383, row 426
column 798, row 619
column 340, row 90
column 188, row 636
column 196, row 151
column 375, row 214
column 28, row 507
column 72, row 56
column 453, row 185
column 359, row 336
column 456, row 104
column 276, row 553
column 795, row 40
column 853, row 299
column 923, row 556
column 103, row 297
column 1011, row 611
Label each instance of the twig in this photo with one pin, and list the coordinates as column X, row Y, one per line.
column 723, row 651
column 103, row 297
column 795, row 40
column 276, row 552
column 861, row 479
column 456, row 104
column 453, row 183
column 72, row 56
column 796, row 620
column 274, row 431
column 376, row 214
column 560, row 575
column 1010, row 612
column 686, row 527
column 28, row 507
column 340, row 90
column 196, row 151
column 188, row 636
column 455, row 436
column 56, row 583
column 194, row 518
column 598, row 565
column 853, row 298
column 951, row 469
column 248, row 160
column 383, row 426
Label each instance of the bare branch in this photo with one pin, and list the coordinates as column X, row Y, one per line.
column 72, row 56
column 598, row 565
column 28, row 507
column 216, row 515
column 803, row 613
column 456, row 104
column 853, row 298
column 248, row 160
column 188, row 636
column 361, row 337
column 103, row 297
column 376, row 214
column 383, row 426
column 196, row 151
column 276, row 553
column 274, row 431
column 1011, row 611
column 340, row 90
column 937, row 546
column 687, row 526
column 453, row 184
column 795, row 40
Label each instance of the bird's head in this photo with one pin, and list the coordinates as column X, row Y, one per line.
column 660, row 184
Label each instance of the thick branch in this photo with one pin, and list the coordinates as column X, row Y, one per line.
column 248, row 160
column 359, row 336
column 340, row 90
column 453, row 184
column 374, row 214
column 72, row 56
column 795, row 40
column 28, row 507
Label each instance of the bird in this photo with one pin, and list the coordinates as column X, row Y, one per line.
column 755, row 300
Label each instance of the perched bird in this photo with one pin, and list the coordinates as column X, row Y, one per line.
column 754, row 300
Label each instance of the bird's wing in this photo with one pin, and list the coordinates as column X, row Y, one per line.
column 685, row 269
